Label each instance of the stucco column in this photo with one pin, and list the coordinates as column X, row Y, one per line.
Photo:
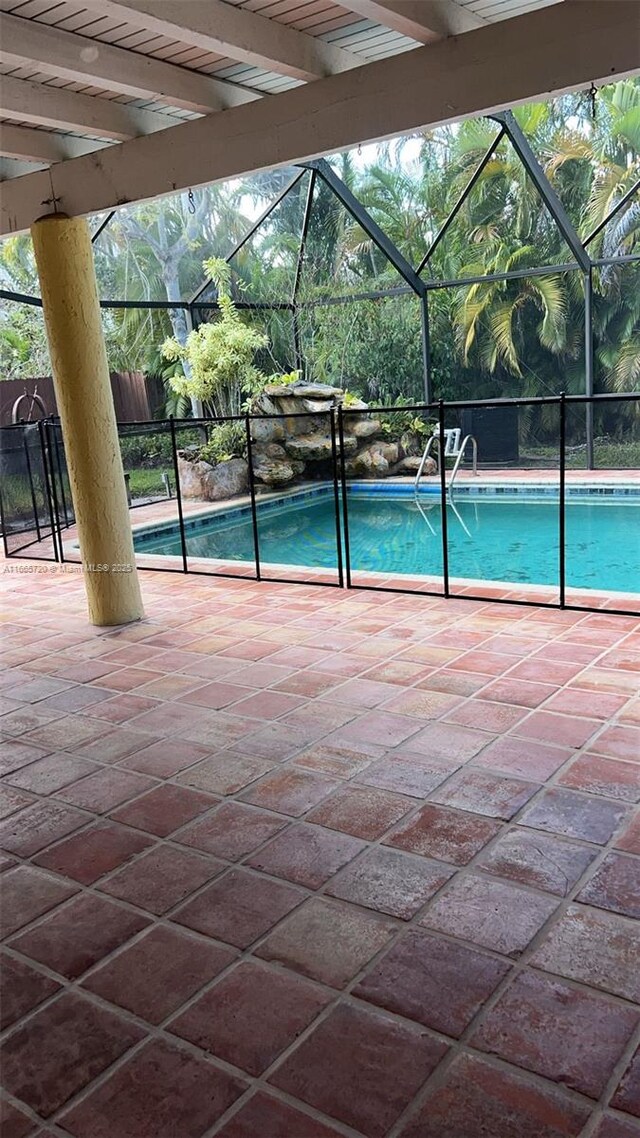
column 64, row 257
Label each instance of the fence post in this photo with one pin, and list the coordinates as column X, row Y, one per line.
column 345, row 508
column 563, row 435
column 59, row 465
column 336, row 497
column 47, row 484
column 183, row 543
column 443, row 500
column 31, row 488
column 49, row 427
column 252, row 492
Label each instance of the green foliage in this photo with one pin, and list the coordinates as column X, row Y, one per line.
column 229, row 440
column 153, row 449
column 397, row 423
column 220, row 356
column 350, row 400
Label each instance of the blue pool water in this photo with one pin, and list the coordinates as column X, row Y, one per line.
column 492, row 537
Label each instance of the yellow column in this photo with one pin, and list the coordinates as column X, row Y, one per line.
column 64, row 257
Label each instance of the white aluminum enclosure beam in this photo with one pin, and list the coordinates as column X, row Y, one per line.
column 27, row 145
column 44, row 105
column 422, row 20
column 526, row 58
column 81, row 60
column 237, row 33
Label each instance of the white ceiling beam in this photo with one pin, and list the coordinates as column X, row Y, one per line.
column 234, row 32
column 79, row 59
column 27, row 145
column 422, row 20
column 530, row 57
column 65, row 110
column 10, row 169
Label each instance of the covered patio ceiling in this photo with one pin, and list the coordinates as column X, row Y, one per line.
column 89, row 90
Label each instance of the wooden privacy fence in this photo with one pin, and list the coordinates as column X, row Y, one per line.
column 136, row 397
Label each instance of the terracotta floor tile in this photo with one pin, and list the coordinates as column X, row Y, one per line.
column 616, row 1126
column 169, row 719
column 448, row 741
column 354, row 1047
column 414, row 776
column 82, row 1041
column 100, row 849
column 128, row 679
column 619, row 743
column 232, row 830
column 400, row 672
column 271, row 1118
column 569, row 1035
column 365, row 812
column 106, row 789
column 489, row 912
column 456, row 683
column 439, row 983
column 12, row 799
column 268, row 705
column 543, row 861
column 164, row 809
column 76, row 698
column 217, row 695
column 615, row 886
column 165, row 758
column 595, row 947
column 319, row 716
column 21, row 990
column 380, row 728
column 307, row 683
column 482, row 661
column 161, row 1092
column 551, row 727
column 277, row 741
column 627, row 1095
column 523, row 757
column 110, row 748
column 422, row 704
column 14, row 755
column 599, row 775
column 364, row 693
column 560, row 811
column 14, row 1123
column 156, row 975
column 46, row 776
column 486, row 716
column 121, row 708
column 162, row 878
column 573, row 701
column 449, row 835
column 35, row 827
column 629, row 839
column 477, row 1099
column 226, row 773
column 520, row 692
column 390, row 882
column 85, row 671
column 77, row 936
column 327, row 942
column 290, row 791
column 540, row 670
column 170, row 686
column 239, row 908
column 343, row 762
column 223, row 1021
column 482, row 792
column 26, row 894
column 306, row 855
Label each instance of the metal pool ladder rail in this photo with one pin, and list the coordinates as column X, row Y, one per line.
column 452, row 449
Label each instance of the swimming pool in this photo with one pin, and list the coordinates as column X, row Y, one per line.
column 494, row 534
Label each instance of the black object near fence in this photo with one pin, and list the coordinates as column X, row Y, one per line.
column 536, row 434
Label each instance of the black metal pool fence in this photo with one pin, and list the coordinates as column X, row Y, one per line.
column 548, row 433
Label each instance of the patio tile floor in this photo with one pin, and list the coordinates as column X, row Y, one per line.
column 283, row 862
